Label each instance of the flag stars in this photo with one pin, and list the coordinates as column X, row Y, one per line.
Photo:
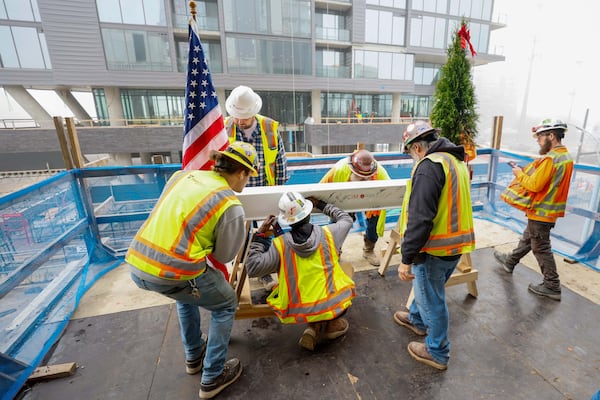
column 191, row 106
column 193, row 95
column 204, row 83
column 195, row 60
column 205, row 71
column 203, row 94
column 190, row 116
column 195, row 72
column 203, row 105
column 214, row 94
column 196, row 49
column 194, row 84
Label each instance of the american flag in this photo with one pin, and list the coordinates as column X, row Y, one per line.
column 204, row 129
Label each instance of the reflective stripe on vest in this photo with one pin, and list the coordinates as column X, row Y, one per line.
column 453, row 231
column 179, row 233
column 269, row 139
column 552, row 202
column 313, row 288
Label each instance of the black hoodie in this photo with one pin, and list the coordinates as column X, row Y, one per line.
column 427, row 183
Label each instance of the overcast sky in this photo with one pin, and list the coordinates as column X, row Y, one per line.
column 552, row 69
column 552, row 66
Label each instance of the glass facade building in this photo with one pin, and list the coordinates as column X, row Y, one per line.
column 325, row 59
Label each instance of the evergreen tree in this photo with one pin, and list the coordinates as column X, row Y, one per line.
column 454, row 98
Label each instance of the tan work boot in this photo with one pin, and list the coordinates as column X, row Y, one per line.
column 335, row 328
column 369, row 253
column 311, row 336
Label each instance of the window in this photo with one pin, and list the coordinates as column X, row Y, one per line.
column 436, row 6
column 207, row 14
column 339, row 105
column 23, row 47
column 331, row 26
column 384, row 27
column 20, row 10
column 415, row 106
column 332, row 63
column 275, row 17
column 127, row 49
column 256, row 56
column 478, row 9
column 388, row 3
column 212, row 52
column 426, row 31
column 426, row 73
column 137, row 12
column 383, row 65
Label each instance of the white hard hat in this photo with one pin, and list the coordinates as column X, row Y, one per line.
column 243, row 103
column 293, row 208
column 548, row 124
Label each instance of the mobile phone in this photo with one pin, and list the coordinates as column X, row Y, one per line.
column 277, row 229
column 512, row 164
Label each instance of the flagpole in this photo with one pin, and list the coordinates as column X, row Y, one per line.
column 193, row 9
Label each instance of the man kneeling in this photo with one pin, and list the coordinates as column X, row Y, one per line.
column 312, row 286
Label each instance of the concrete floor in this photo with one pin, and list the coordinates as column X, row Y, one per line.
column 506, row 344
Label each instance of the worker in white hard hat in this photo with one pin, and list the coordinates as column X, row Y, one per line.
column 540, row 189
column 313, row 288
column 246, row 124
column 362, row 166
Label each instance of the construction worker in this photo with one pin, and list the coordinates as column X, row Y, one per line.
column 436, row 225
column 357, row 167
column 541, row 189
column 312, row 287
column 245, row 124
column 196, row 227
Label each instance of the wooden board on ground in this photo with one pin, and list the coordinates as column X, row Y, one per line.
column 52, row 372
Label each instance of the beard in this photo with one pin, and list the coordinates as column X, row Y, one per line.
column 546, row 146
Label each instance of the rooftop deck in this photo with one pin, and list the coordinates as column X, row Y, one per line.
column 65, row 298
column 506, row 344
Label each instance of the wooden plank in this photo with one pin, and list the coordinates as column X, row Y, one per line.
column 62, row 141
column 52, row 372
column 74, row 140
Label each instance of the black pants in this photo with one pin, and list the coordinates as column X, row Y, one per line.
column 536, row 238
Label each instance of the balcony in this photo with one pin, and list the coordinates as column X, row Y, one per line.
column 340, row 35
column 333, row 71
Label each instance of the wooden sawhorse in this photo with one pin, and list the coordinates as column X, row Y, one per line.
column 239, row 281
column 464, row 270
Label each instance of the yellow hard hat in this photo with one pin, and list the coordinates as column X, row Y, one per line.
column 243, row 153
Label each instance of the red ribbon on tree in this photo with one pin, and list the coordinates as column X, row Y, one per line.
column 465, row 37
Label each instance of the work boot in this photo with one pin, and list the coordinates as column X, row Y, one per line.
column 311, row 336
column 335, row 328
column 419, row 352
column 194, row 366
column 369, row 253
column 231, row 372
column 401, row 318
column 542, row 290
column 502, row 258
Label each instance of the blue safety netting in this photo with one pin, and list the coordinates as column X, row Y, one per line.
column 61, row 235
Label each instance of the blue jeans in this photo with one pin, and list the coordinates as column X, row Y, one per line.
column 217, row 296
column 371, row 231
column 429, row 310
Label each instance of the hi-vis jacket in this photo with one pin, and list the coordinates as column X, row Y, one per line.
column 452, row 231
column 178, row 235
column 313, row 288
column 341, row 172
column 270, row 143
column 541, row 190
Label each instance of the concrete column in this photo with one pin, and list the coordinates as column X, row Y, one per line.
column 396, row 107
column 114, row 106
column 315, row 104
column 30, row 105
column 116, row 118
column 222, row 99
column 76, row 108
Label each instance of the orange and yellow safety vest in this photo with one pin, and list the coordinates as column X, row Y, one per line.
column 175, row 240
column 313, row 288
column 453, row 231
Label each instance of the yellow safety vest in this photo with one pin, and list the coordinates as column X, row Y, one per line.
column 310, row 289
column 453, row 232
column 270, row 142
column 550, row 203
column 179, row 233
column 341, row 172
